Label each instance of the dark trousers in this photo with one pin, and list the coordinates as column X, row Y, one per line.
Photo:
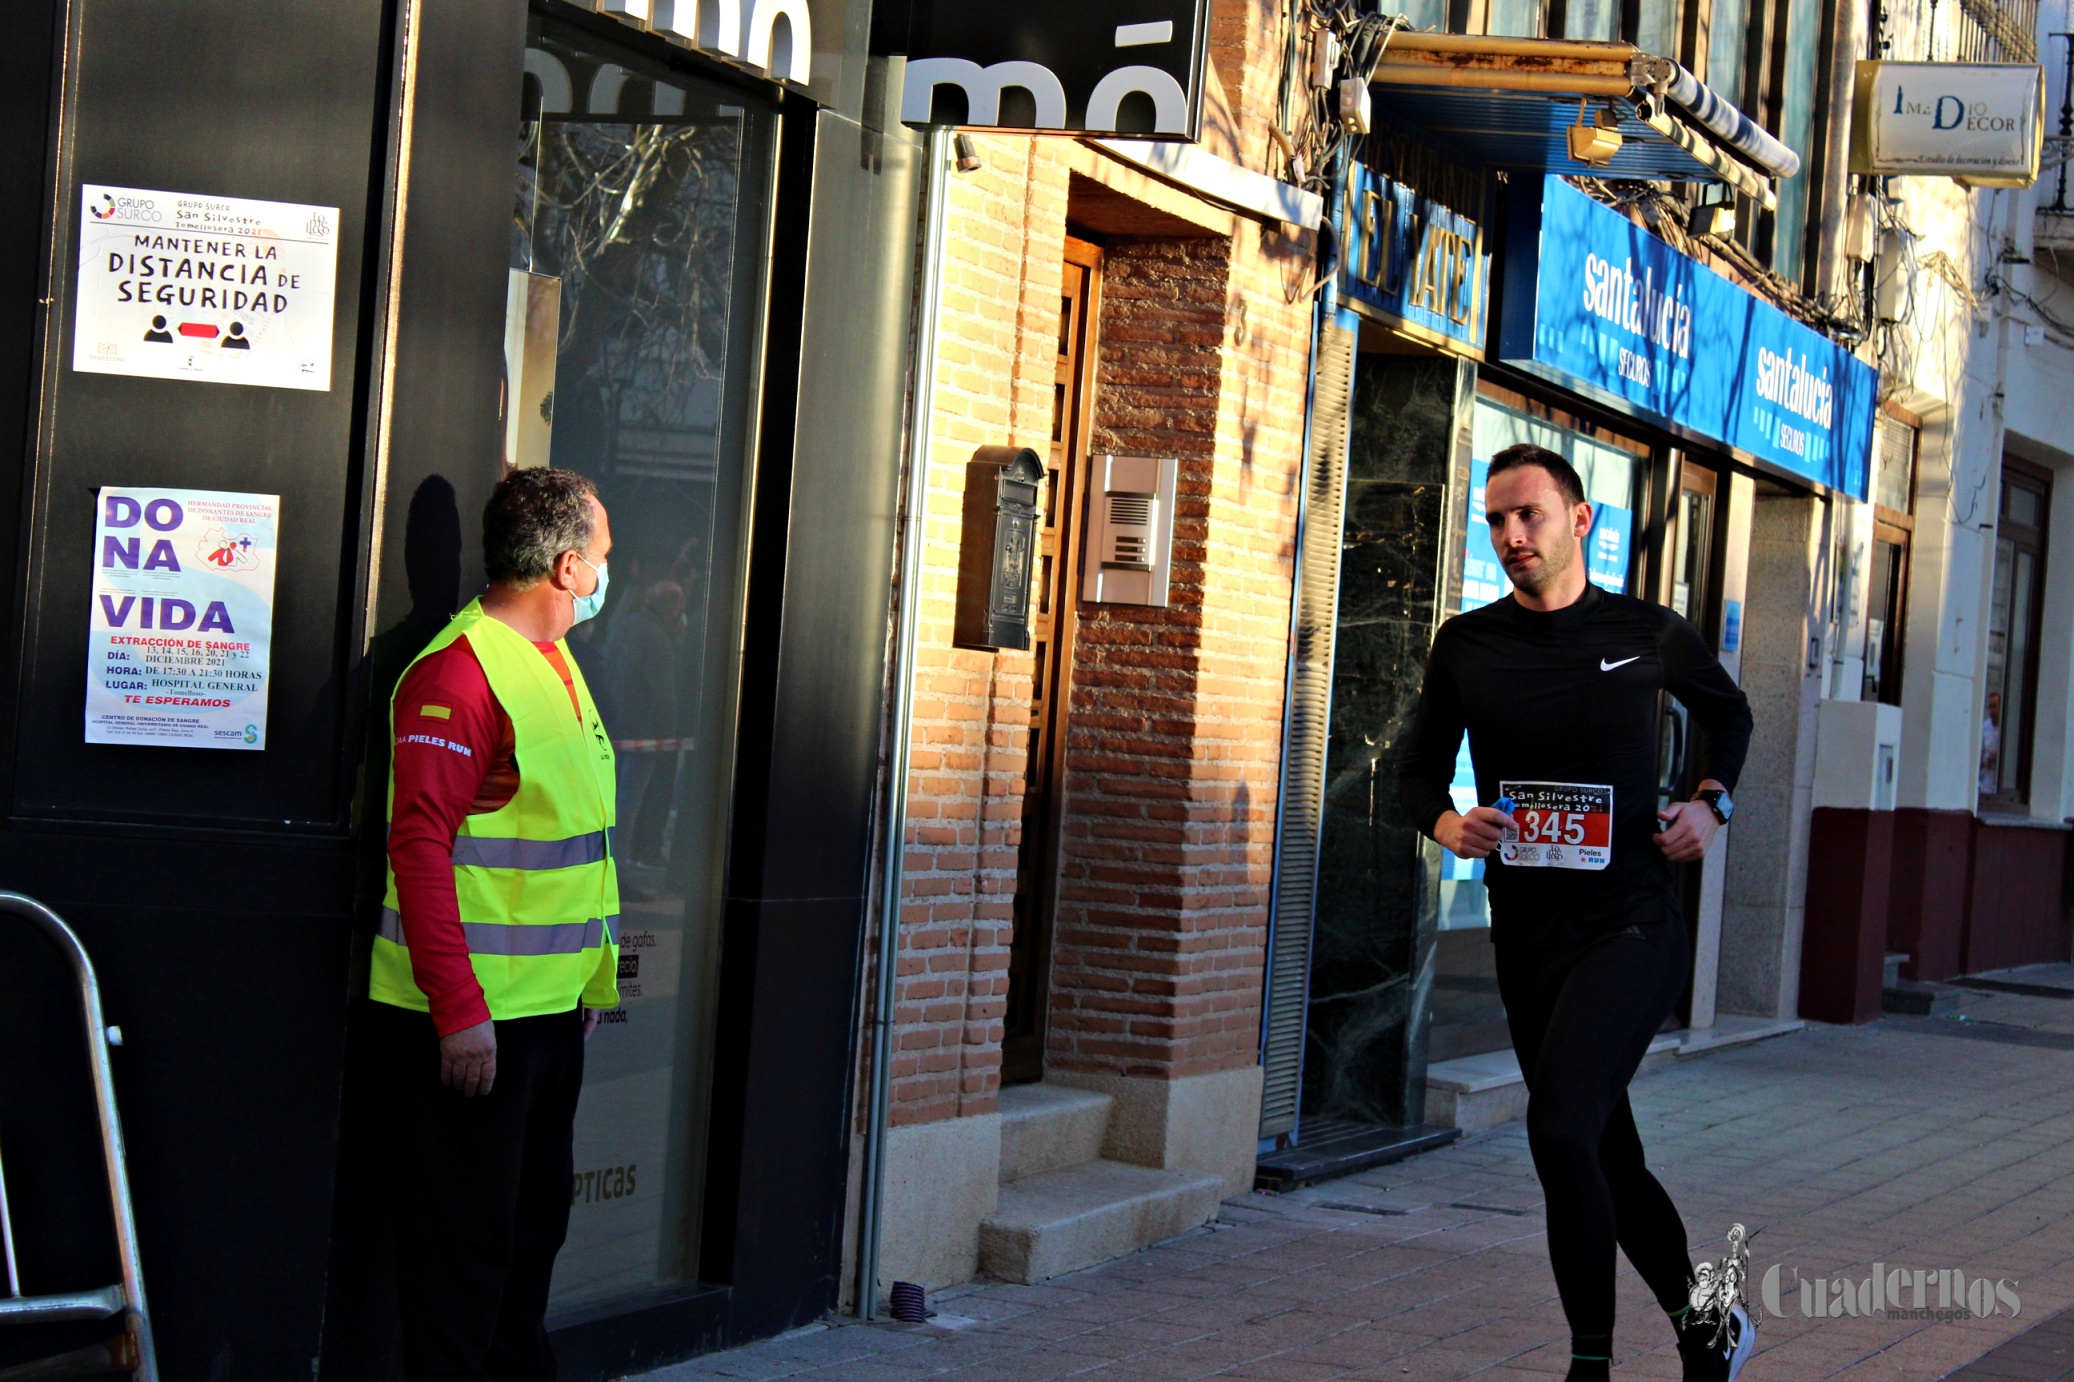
column 480, row 1191
column 1583, row 1010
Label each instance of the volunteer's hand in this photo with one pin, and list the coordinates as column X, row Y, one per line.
column 1691, row 831
column 1475, row 835
column 468, row 1059
column 590, row 1021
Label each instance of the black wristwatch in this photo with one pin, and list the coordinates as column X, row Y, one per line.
column 1719, row 802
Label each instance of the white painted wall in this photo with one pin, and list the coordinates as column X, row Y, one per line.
column 1988, row 375
column 2052, row 762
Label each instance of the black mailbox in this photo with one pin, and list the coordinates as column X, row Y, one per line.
column 1002, row 487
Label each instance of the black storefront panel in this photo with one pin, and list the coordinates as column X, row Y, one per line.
column 185, row 101
column 212, row 887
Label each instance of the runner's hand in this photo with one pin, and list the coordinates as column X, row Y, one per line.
column 468, row 1059
column 1691, row 831
column 1475, row 835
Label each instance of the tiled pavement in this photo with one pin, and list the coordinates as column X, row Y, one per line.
column 1839, row 1147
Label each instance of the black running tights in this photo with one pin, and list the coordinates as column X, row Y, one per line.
column 1582, row 1014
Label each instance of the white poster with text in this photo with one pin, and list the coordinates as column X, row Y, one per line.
column 174, row 285
column 183, row 618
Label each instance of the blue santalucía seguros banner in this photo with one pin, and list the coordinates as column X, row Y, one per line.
column 1600, row 302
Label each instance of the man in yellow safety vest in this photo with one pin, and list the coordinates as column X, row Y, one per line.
column 497, row 946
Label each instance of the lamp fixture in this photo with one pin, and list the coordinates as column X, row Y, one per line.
column 1714, row 218
column 1596, row 139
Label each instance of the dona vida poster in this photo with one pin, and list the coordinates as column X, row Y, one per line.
column 183, row 618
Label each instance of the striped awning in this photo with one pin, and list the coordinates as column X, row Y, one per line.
column 1507, row 102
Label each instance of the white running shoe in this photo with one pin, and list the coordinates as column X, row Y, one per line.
column 1709, row 1361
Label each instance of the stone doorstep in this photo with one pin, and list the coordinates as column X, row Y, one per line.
column 1061, row 1220
column 1476, row 1093
column 1047, row 1127
column 1920, row 998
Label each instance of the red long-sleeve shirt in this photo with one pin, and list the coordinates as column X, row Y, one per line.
column 455, row 757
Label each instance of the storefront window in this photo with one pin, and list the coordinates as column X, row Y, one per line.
column 1515, row 18
column 1658, row 30
column 1467, row 1015
column 1893, row 496
column 1426, row 15
column 1728, row 38
column 2013, row 610
column 1592, row 19
column 1894, row 465
column 641, row 197
column 1689, row 557
column 1797, row 130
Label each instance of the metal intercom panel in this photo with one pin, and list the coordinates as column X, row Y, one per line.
column 1130, row 546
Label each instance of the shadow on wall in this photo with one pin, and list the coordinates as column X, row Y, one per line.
column 361, row 1340
column 432, row 571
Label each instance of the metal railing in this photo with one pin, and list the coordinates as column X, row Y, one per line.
column 2060, row 147
column 1982, row 31
column 1997, row 31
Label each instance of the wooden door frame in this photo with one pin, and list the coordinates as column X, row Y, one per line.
column 1022, row 1054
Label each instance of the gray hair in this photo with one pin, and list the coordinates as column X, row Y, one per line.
column 533, row 517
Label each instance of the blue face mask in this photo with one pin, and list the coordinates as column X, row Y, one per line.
column 587, row 606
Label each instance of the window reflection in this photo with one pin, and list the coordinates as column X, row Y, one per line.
column 629, row 356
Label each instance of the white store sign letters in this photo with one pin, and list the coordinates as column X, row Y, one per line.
column 745, row 30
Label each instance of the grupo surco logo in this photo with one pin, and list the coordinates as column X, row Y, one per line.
column 1898, row 1293
column 108, row 206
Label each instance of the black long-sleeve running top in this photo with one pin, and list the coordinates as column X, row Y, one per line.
column 1562, row 707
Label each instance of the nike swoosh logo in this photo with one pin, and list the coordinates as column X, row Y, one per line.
column 1605, row 666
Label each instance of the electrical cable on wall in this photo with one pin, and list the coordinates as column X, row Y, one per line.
column 1326, row 43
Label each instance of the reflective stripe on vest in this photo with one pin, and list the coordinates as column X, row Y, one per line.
column 505, row 852
column 499, row 938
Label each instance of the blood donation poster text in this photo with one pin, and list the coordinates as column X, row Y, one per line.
column 183, row 618
column 174, row 285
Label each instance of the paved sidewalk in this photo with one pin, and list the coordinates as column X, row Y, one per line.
column 1920, row 1143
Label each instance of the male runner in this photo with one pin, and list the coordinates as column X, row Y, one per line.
column 1557, row 687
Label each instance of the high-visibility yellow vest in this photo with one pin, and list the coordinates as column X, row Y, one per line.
column 538, row 887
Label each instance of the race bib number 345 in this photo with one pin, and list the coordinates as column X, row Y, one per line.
column 1562, row 825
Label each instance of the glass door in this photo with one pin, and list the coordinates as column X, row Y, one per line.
column 1691, row 570
column 1691, row 581
column 638, row 220
column 2015, row 605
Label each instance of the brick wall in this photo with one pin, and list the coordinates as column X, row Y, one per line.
column 1175, row 714
column 1173, row 747
column 1003, row 246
